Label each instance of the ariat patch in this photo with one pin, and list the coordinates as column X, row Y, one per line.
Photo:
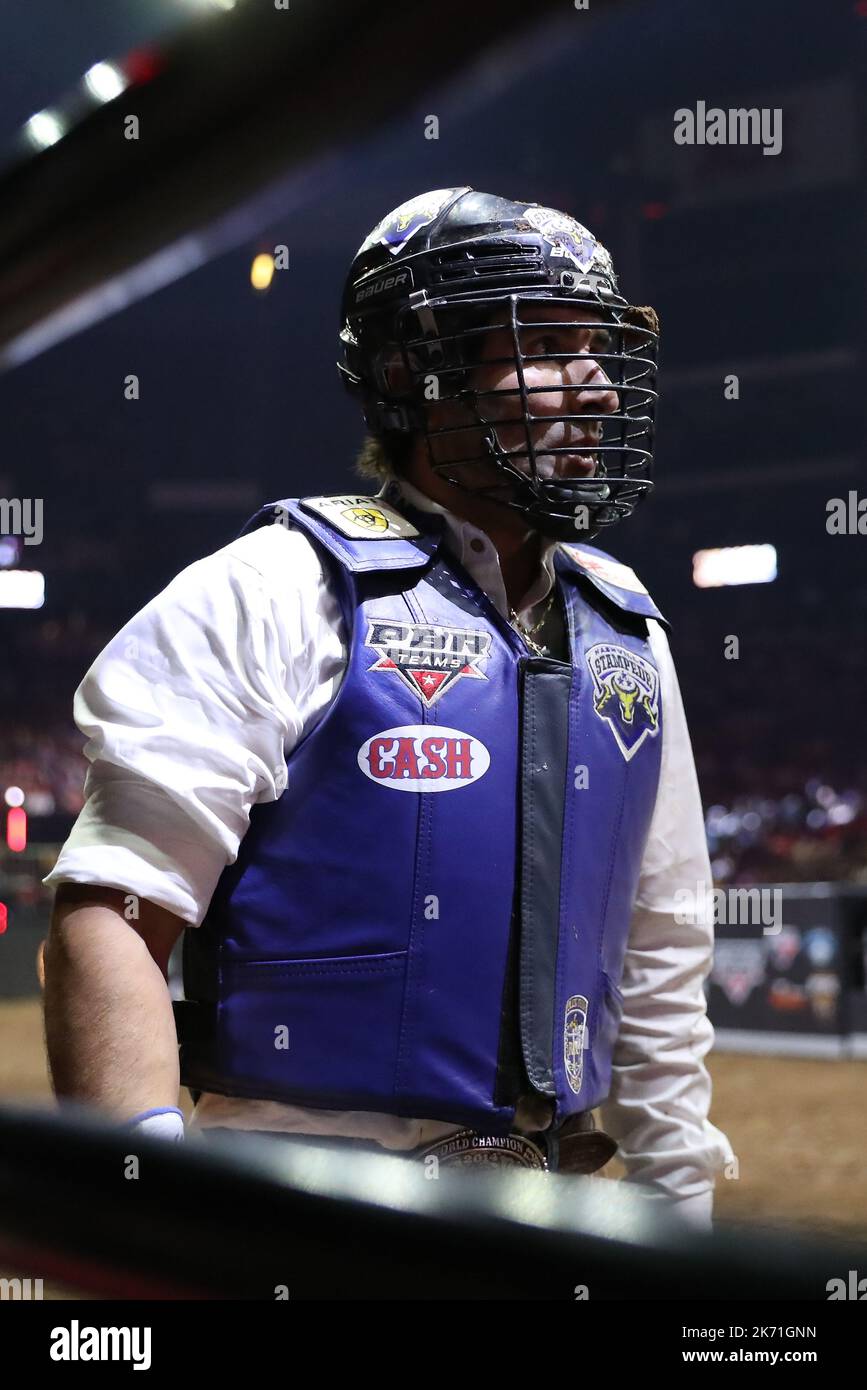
column 610, row 571
column 361, row 518
column 574, row 1028
column 429, row 658
column 625, row 694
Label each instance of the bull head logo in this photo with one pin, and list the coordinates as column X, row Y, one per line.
column 626, row 690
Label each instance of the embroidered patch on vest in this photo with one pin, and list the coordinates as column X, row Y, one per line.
column 361, row 518
column 428, row 657
column 423, row 758
column 626, row 694
column 610, row 571
column 574, row 1025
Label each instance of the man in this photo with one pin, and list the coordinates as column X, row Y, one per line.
column 413, row 769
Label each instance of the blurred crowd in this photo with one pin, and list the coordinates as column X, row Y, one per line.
column 787, row 828
column 784, row 786
column 815, row 834
column 46, row 763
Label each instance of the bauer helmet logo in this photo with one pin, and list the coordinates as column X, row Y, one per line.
column 385, row 282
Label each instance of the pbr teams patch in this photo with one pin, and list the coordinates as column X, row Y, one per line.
column 625, row 694
column 428, row 658
column 361, row 518
column 574, row 1027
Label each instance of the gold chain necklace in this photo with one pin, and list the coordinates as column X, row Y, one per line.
column 527, row 632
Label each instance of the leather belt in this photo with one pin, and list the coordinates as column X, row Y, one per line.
column 576, row 1147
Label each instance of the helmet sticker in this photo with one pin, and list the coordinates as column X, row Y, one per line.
column 568, row 238
column 395, row 230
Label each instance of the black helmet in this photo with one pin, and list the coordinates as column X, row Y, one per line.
column 421, row 294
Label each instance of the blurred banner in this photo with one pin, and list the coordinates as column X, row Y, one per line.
column 794, row 987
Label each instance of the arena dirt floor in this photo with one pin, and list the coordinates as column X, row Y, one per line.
column 798, row 1128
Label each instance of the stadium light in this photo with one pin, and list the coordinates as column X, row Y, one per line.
column 262, row 271
column 105, row 81
column 16, row 829
column 44, row 129
column 22, row 589
column 734, row 564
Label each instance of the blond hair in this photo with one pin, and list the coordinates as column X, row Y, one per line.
column 384, row 457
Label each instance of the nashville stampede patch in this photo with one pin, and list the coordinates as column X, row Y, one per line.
column 429, row 658
column 626, row 695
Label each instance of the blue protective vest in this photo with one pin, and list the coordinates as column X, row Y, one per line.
column 432, row 918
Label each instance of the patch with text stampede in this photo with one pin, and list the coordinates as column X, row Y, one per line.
column 428, row 658
column 625, row 694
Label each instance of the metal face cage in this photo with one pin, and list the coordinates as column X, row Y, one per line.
column 467, row 425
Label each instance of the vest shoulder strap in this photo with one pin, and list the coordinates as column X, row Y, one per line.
column 363, row 533
column 617, row 582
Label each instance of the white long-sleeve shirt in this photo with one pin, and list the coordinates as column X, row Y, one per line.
column 191, row 711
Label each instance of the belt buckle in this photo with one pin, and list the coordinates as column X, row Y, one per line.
column 468, row 1149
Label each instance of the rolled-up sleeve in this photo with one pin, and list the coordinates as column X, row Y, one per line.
column 189, row 713
column 660, row 1094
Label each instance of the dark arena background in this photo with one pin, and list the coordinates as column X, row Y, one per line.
column 299, row 127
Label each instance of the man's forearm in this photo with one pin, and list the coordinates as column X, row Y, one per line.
column 109, row 1027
